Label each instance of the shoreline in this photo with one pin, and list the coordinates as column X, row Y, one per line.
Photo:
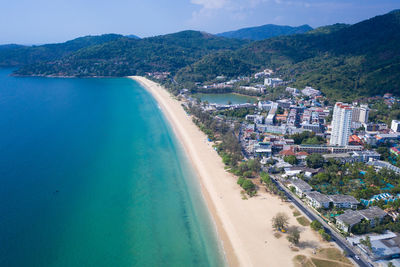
column 243, row 226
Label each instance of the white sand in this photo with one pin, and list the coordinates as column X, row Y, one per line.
column 244, row 226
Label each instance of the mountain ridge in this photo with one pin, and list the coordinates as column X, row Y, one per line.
column 18, row 55
column 343, row 61
column 127, row 56
column 346, row 61
column 265, row 31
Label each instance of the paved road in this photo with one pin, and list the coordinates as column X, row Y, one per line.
column 335, row 236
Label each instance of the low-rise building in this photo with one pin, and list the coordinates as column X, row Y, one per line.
column 273, row 82
column 314, row 127
column 310, row 92
column 265, row 105
column 373, row 214
column 293, row 91
column 382, row 138
column 379, row 164
column 342, row 157
column 262, row 149
column 384, row 247
column 355, row 156
column 324, row 149
column 344, row 201
column 284, row 103
column 348, row 219
column 317, row 200
column 258, row 119
column 366, row 155
column 300, row 186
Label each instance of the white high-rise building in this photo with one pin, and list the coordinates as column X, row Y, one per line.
column 341, row 123
column 395, row 126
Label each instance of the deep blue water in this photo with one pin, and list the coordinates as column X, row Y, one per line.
column 92, row 175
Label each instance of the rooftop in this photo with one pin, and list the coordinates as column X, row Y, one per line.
column 318, row 196
column 336, row 155
column 343, row 198
column 385, row 248
column 372, row 213
column 303, row 186
column 350, row 217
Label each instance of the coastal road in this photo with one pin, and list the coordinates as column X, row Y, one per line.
column 339, row 240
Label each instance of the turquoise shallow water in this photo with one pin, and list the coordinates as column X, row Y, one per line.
column 92, row 175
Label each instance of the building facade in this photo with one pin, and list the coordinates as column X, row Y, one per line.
column 341, row 123
column 360, row 114
column 395, row 127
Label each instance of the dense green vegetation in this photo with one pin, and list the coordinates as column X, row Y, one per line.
column 237, row 113
column 381, row 112
column 291, row 159
column 315, row 160
column 357, row 179
column 18, row 55
column 128, row 56
column 365, row 226
column 247, row 186
column 343, row 61
column 265, row 32
column 307, row 138
column 317, row 226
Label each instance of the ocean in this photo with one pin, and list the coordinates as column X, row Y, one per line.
column 91, row 174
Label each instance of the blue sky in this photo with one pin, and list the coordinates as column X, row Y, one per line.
column 47, row 21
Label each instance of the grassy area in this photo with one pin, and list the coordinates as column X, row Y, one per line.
column 303, row 261
column 296, row 213
column 291, row 207
column 327, row 257
column 333, row 254
column 326, row 263
column 303, row 221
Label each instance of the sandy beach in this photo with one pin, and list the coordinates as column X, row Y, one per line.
column 244, row 226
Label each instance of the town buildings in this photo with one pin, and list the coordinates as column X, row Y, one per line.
column 310, row 92
column 273, row 82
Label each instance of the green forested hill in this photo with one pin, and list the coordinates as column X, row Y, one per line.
column 344, row 61
column 265, row 32
column 127, row 56
column 341, row 60
column 18, row 55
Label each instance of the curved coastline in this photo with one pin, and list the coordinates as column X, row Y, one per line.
column 243, row 225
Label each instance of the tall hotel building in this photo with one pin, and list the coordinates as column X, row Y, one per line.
column 341, row 123
column 360, row 114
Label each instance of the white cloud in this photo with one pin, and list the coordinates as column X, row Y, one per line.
column 211, row 4
column 218, row 12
